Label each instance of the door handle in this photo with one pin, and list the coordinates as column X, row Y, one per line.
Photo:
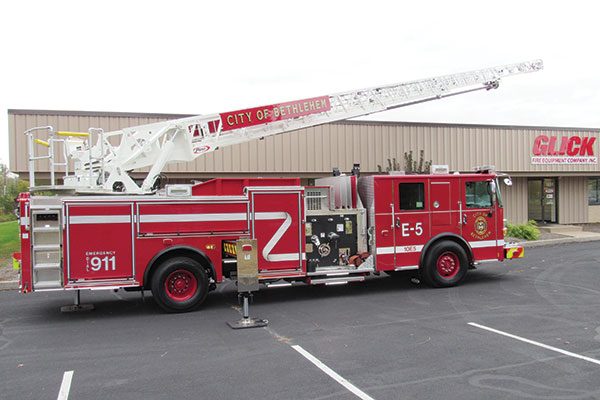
column 464, row 219
column 397, row 224
column 385, row 232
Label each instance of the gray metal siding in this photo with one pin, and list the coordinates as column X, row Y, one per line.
column 572, row 200
column 515, row 201
column 315, row 151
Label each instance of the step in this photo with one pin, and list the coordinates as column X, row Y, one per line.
column 338, row 280
column 560, row 229
column 47, row 285
column 103, row 284
column 339, row 271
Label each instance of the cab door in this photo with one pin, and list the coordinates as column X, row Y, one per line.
column 384, row 223
column 411, row 220
column 478, row 217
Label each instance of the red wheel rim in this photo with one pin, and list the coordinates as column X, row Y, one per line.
column 181, row 285
column 448, row 265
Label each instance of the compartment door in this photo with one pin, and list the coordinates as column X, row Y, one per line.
column 277, row 225
column 99, row 242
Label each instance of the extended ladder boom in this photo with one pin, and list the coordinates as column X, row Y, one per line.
column 102, row 166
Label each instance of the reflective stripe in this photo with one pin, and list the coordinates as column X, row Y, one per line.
column 284, row 257
column 99, row 219
column 266, row 253
column 385, row 250
column 484, row 243
column 193, row 217
column 160, row 218
column 400, row 249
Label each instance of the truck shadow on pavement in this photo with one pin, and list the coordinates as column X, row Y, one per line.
column 130, row 304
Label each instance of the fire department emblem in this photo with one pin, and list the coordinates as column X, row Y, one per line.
column 481, row 228
column 480, row 225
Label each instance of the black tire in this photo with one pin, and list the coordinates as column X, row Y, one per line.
column 445, row 264
column 180, row 284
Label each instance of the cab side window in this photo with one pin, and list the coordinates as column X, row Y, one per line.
column 412, row 196
column 477, row 195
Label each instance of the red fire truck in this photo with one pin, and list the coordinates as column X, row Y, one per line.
column 103, row 230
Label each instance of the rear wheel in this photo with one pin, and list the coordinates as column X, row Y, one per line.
column 445, row 264
column 179, row 284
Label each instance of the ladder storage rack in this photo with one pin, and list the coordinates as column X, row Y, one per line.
column 46, row 240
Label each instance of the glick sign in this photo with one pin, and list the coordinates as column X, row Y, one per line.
column 564, row 150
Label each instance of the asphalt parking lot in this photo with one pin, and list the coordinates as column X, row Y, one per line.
column 386, row 338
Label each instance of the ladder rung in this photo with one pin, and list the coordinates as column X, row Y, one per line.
column 46, row 247
column 41, row 266
column 45, row 229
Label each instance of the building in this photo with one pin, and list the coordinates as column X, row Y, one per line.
column 555, row 170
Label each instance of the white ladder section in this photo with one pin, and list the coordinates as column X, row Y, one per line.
column 46, row 241
column 156, row 145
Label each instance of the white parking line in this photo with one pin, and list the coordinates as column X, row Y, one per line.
column 65, row 387
column 545, row 346
column 342, row 381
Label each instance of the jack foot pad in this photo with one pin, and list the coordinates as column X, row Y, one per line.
column 77, row 308
column 246, row 323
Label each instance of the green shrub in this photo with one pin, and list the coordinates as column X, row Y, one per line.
column 7, row 217
column 528, row 231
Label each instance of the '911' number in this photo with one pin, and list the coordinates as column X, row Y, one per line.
column 103, row 263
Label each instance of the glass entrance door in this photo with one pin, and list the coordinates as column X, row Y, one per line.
column 541, row 199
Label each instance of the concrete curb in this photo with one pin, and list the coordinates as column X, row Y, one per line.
column 9, row 285
column 550, row 242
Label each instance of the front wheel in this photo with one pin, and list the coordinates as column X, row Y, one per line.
column 445, row 264
column 179, row 284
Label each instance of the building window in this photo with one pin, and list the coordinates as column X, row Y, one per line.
column 412, row 196
column 477, row 195
column 594, row 191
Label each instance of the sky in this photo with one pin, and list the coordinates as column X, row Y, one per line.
column 203, row 57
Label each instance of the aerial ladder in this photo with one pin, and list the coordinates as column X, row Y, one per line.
column 103, row 160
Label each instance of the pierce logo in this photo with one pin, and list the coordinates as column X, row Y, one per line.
column 563, row 150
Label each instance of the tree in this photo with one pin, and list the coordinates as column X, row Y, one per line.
column 10, row 187
column 411, row 166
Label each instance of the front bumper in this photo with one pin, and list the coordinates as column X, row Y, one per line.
column 513, row 251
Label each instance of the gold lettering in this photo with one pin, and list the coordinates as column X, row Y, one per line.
column 288, row 109
column 259, row 115
column 266, row 111
column 276, row 112
column 323, row 104
column 305, row 106
column 311, row 105
column 295, row 108
column 249, row 115
column 229, row 120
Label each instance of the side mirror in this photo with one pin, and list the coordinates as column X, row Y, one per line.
column 492, row 187
column 507, row 181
